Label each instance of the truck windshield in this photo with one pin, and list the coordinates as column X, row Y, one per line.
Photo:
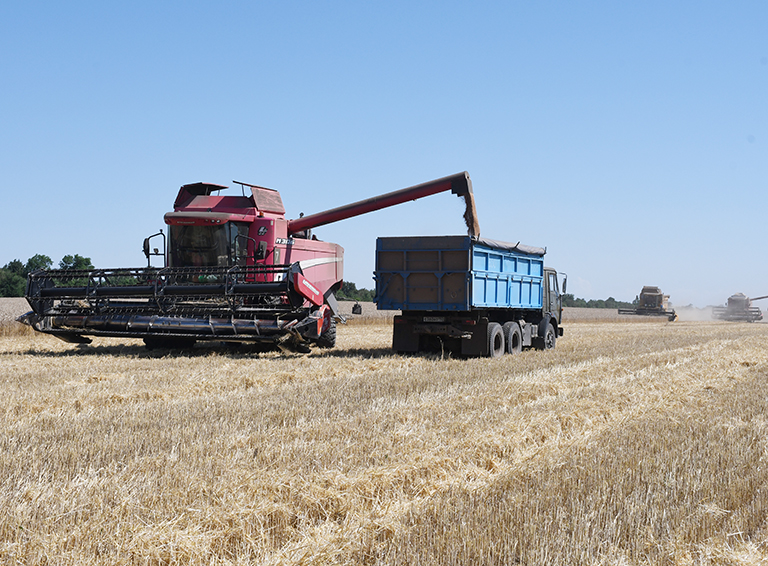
column 209, row 246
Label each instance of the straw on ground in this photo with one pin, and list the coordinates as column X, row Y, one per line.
column 628, row 444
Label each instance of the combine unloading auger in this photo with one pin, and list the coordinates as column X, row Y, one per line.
column 459, row 185
column 235, row 270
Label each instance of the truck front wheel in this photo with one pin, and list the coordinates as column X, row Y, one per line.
column 495, row 340
column 547, row 342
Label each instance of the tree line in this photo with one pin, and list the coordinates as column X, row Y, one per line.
column 610, row 303
column 13, row 275
column 350, row 292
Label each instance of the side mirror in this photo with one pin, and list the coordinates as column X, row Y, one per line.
column 261, row 252
column 148, row 251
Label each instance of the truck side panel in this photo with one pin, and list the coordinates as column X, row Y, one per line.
column 504, row 279
column 454, row 274
column 423, row 273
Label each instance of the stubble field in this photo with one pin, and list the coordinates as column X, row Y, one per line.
column 631, row 443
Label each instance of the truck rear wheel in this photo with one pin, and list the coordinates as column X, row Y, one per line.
column 495, row 340
column 547, row 342
column 513, row 337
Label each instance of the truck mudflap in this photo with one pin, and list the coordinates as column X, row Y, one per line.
column 258, row 304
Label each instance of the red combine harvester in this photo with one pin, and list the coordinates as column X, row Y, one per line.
column 236, row 270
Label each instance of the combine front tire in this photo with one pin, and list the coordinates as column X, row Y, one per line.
column 328, row 337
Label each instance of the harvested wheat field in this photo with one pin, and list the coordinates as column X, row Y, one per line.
column 628, row 444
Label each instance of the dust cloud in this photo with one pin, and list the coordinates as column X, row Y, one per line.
column 693, row 314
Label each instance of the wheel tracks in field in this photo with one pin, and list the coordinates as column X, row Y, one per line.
column 578, row 401
column 562, row 407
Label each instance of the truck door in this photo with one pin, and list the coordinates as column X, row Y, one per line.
column 553, row 294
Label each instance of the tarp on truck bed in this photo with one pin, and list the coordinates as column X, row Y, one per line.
column 518, row 247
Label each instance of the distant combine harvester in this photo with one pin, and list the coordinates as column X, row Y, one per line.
column 652, row 302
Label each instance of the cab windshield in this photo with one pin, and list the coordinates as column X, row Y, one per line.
column 223, row 245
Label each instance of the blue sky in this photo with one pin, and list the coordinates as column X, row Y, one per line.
column 630, row 139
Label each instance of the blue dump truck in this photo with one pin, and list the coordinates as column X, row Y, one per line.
column 470, row 296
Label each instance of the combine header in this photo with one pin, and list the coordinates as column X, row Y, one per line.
column 739, row 309
column 235, row 269
column 652, row 302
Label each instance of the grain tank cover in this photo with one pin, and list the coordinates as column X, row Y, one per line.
column 650, row 290
column 267, row 200
column 196, row 196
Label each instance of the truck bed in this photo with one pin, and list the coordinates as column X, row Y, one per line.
column 456, row 273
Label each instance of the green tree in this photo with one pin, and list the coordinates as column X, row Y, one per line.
column 13, row 275
column 37, row 261
column 570, row 301
column 12, row 284
column 349, row 291
column 75, row 262
column 15, row 267
column 610, row 303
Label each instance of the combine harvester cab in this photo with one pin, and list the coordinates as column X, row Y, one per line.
column 235, row 270
column 739, row 308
